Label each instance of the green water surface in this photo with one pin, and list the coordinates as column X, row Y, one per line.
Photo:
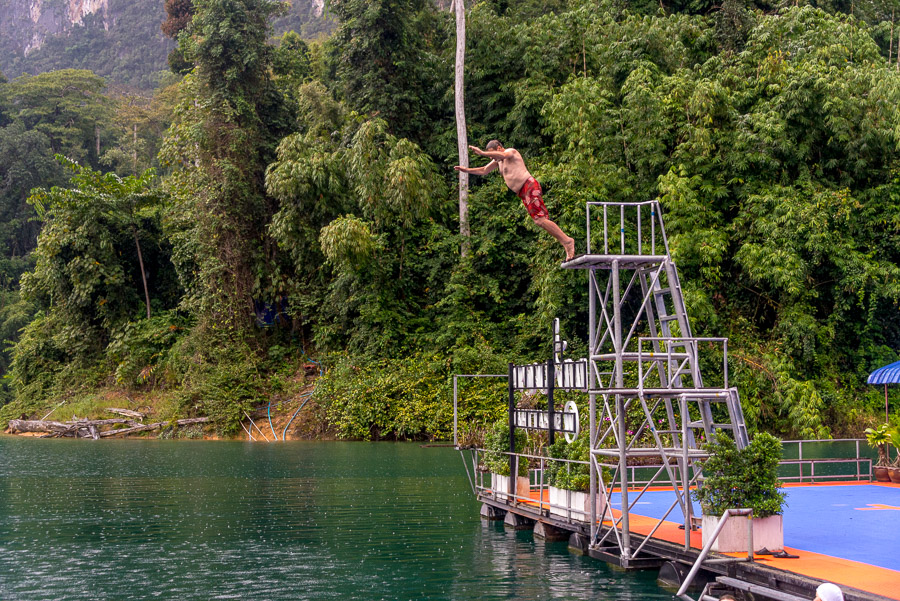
column 203, row 520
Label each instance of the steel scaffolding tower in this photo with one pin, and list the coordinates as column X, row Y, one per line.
column 655, row 390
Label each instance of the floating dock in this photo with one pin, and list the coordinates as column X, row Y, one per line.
column 841, row 532
column 655, row 393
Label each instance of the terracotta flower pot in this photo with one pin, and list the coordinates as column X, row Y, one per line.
column 500, row 487
column 881, row 473
column 894, row 473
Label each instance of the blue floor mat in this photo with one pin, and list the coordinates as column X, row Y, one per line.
column 859, row 522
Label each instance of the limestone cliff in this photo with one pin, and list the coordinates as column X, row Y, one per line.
column 119, row 39
column 28, row 23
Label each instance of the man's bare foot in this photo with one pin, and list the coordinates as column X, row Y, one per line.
column 569, row 245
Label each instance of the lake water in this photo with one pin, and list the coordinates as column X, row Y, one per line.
column 204, row 520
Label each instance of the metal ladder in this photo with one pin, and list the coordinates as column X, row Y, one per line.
column 671, row 295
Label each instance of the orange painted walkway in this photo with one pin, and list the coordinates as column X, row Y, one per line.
column 862, row 576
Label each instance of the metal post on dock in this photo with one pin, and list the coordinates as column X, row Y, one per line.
column 712, row 539
column 513, row 463
column 620, row 409
column 551, row 381
column 685, row 482
column 592, row 396
column 455, row 412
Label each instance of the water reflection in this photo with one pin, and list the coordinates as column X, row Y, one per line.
column 203, row 520
column 514, row 565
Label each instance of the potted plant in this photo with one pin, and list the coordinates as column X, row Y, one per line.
column 569, row 483
column 738, row 479
column 893, row 435
column 496, row 460
column 878, row 439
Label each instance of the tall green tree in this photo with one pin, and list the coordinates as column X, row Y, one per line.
column 97, row 237
column 225, row 133
column 291, row 62
column 89, row 260
column 26, row 162
column 67, row 106
column 138, row 124
column 387, row 64
column 363, row 204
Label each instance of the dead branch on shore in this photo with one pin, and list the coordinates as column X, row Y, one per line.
column 126, row 413
column 90, row 428
column 146, row 427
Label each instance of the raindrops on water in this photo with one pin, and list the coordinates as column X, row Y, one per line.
column 228, row 520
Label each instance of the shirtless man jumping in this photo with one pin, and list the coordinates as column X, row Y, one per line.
column 520, row 181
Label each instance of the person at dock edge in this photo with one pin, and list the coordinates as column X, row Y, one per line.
column 520, row 181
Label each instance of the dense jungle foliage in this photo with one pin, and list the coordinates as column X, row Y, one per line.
column 194, row 248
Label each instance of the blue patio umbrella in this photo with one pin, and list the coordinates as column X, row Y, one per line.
column 889, row 374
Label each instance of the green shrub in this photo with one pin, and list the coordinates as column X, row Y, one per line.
column 224, row 389
column 746, row 478
column 405, row 398
column 44, row 368
column 496, row 444
column 139, row 351
column 878, row 438
column 572, row 476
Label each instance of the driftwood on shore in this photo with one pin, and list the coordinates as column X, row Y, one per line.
column 90, row 428
column 145, row 427
column 126, row 412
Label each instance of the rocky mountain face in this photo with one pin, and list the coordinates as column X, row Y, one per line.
column 118, row 39
column 26, row 24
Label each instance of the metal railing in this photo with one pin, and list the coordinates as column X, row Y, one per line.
column 537, row 483
column 863, row 469
column 631, row 216
column 639, row 475
column 863, row 463
column 678, row 360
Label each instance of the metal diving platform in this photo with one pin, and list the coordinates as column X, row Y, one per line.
column 654, row 392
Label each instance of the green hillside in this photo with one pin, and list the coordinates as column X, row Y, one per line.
column 289, row 201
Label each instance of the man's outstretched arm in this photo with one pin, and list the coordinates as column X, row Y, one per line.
column 478, row 170
column 497, row 155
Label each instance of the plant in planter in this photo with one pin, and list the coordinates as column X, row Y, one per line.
column 878, row 439
column 736, row 479
column 496, row 459
column 893, row 435
column 569, row 483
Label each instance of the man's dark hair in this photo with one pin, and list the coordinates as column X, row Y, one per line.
column 492, row 145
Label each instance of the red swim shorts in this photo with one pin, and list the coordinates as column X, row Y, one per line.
column 533, row 199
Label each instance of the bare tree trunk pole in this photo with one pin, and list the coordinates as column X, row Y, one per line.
column 891, row 42
column 898, row 47
column 137, row 244
column 461, row 136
